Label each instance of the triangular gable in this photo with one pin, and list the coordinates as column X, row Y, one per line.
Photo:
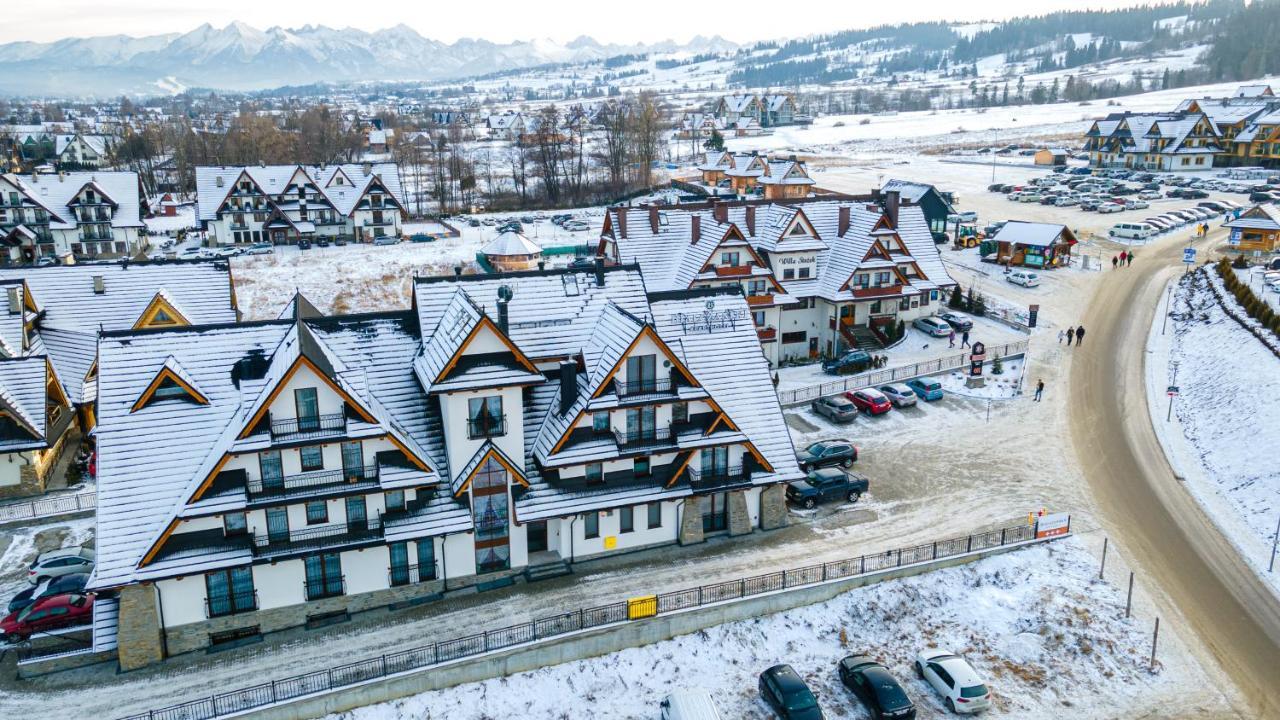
column 11, row 408
column 340, row 173
column 299, row 362
column 645, row 331
column 799, row 222
column 161, row 312
column 293, row 179
column 300, row 308
column 98, row 189
column 170, row 374
column 231, row 187
column 484, row 324
column 485, row 452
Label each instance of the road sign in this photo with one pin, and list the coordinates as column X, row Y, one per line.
column 1052, row 525
column 1189, row 255
column 1173, row 390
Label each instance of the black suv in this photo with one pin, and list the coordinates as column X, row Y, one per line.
column 827, row 484
column 788, row 695
column 877, row 688
column 826, row 453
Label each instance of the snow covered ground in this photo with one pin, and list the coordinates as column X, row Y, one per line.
column 185, row 217
column 1038, row 625
column 1228, row 402
column 20, row 545
column 1008, row 384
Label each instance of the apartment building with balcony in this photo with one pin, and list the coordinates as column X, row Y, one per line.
column 285, row 204
column 820, row 275
column 85, row 214
column 503, row 427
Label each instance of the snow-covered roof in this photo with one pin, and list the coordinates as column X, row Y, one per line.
column 1031, row 233
column 215, row 183
column 23, row 398
column 511, row 242
column 56, row 192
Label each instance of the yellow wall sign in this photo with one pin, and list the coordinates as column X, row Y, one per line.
column 642, row 607
column 610, row 542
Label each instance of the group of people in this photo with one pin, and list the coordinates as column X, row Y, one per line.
column 1202, row 229
column 1072, row 334
column 1124, row 259
column 964, row 339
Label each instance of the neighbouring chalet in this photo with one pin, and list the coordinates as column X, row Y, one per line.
column 283, row 204
column 1154, row 141
column 82, row 151
column 934, row 203
column 65, row 306
column 760, row 110
column 504, row 425
column 35, row 417
column 819, row 275
column 1256, row 229
column 744, row 174
column 85, row 214
column 1033, row 244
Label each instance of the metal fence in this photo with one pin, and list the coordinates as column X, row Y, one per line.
column 886, row 375
column 48, row 507
column 574, row 621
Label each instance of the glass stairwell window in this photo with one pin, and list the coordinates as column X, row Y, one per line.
column 308, row 407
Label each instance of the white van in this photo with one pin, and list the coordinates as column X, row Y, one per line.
column 1131, row 231
column 689, row 705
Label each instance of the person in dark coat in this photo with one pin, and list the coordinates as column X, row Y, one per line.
column 1079, row 336
column 964, row 339
column 1039, row 389
column 1114, row 262
column 1071, row 335
column 1130, row 260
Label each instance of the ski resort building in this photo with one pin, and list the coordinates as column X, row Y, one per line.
column 744, row 174
column 502, row 428
column 84, row 214
column 286, row 204
column 820, row 275
column 1154, row 141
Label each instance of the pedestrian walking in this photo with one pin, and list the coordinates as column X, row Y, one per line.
column 1114, row 261
column 1079, row 336
column 1039, row 389
column 1123, row 256
column 1071, row 335
column 1061, row 334
column 1130, row 261
column 952, row 338
column 964, row 339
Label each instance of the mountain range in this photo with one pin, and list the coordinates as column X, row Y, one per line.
column 241, row 57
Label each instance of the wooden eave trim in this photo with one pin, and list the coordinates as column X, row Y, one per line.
column 666, row 350
column 160, row 377
column 676, row 475
column 485, row 321
column 154, row 307
column 155, row 547
column 57, row 384
column 275, row 392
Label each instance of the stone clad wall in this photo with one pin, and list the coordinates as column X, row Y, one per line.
column 138, row 634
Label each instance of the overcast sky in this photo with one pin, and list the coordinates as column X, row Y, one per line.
column 506, row 20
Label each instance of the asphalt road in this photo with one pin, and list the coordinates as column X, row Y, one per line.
column 1144, row 506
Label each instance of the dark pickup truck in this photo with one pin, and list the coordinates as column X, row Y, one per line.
column 827, row 484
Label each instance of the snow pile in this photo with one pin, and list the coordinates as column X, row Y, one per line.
column 1047, row 636
column 1228, row 401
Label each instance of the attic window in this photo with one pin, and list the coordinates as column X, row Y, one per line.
column 799, row 229
column 168, row 384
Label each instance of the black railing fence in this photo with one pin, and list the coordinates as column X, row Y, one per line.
column 277, row 691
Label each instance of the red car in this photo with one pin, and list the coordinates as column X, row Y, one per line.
column 870, row 401
column 51, row 613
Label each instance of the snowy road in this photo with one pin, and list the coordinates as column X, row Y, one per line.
column 1176, row 545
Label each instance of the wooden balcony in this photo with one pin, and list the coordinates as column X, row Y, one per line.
column 759, row 300
column 767, row 334
column 733, row 270
column 874, row 292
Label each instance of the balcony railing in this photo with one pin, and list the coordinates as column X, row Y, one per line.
column 410, row 575
column 767, row 334
column 237, row 602
column 877, row 291
column 656, row 437
column 647, row 386
column 317, row 537
column 761, row 299
column 326, row 588
column 733, row 270
column 718, row 477
column 486, row 426
column 311, row 482
column 304, row 427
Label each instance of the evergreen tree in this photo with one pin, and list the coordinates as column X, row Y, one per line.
column 715, row 142
column 957, row 298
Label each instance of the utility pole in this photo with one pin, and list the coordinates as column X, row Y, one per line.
column 1168, row 298
column 1275, row 540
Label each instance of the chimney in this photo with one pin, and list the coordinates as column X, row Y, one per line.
column 600, row 270
column 367, row 168
column 622, row 222
column 542, row 265
column 98, row 286
column 845, row 214
column 568, row 384
column 653, row 219
column 721, row 212
column 695, row 231
column 15, row 304
column 751, row 220
column 457, row 272
column 891, row 201
column 502, row 315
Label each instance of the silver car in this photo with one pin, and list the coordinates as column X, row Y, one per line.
column 900, row 395
column 836, row 409
column 57, row 563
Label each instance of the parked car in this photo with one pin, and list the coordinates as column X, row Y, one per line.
column 1131, row 231
column 1109, row 207
column 56, row 563
column 967, row 216
column 57, row 586
column 957, row 321
column 825, row 484
column 826, row 453
column 870, row 401
column 952, row 677
column 926, row 389
column 262, row 248
column 876, row 687
column 1158, row 224
column 1065, row 201
column 190, row 253
column 386, row 240
column 45, row 614
column 836, row 409
column 851, row 360
column 900, row 395
column 787, row 694
column 933, row 326
column 1194, row 194
column 689, row 705
column 1025, row 278
column 1136, row 205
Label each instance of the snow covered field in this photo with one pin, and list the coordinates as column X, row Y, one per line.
column 1228, row 402
column 1047, row 636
